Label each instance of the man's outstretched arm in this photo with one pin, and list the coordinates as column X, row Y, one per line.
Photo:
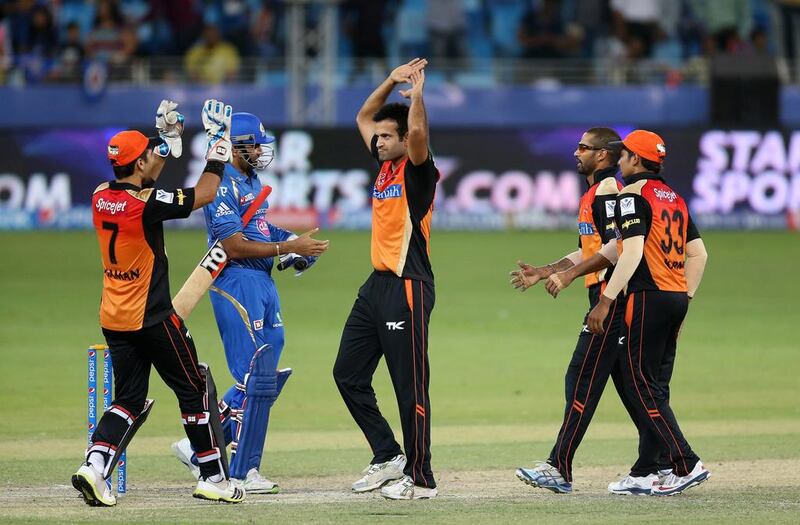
column 528, row 275
column 607, row 256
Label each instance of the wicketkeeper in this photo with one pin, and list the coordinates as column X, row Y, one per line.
column 136, row 313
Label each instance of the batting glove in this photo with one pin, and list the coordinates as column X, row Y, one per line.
column 169, row 124
column 298, row 262
column 217, row 121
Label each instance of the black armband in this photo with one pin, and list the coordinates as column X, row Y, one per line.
column 216, row 167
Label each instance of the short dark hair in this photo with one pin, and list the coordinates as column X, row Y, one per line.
column 604, row 136
column 649, row 165
column 120, row 172
column 395, row 111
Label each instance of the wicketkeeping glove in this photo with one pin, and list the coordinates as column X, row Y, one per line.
column 217, row 121
column 169, row 124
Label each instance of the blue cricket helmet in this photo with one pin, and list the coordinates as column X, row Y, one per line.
column 247, row 130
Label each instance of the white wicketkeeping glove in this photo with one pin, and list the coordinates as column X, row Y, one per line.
column 217, row 121
column 169, row 124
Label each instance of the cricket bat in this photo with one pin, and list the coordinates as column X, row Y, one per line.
column 210, row 266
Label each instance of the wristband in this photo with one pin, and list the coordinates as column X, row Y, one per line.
column 277, row 249
column 216, row 167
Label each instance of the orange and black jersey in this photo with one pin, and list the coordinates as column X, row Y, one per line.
column 647, row 206
column 128, row 221
column 596, row 224
column 402, row 207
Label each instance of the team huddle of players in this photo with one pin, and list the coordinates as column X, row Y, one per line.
column 643, row 259
column 639, row 249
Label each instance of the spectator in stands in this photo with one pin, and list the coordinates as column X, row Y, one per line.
column 36, row 52
column 18, row 17
column 636, row 25
column 759, row 42
column 212, row 60
column 122, row 61
column 184, row 18
column 264, row 30
column 364, row 21
column 70, row 56
column 593, row 17
column 106, row 40
column 233, row 19
column 726, row 23
column 42, row 38
column 542, row 32
column 447, row 22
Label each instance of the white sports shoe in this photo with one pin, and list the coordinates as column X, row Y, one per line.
column 92, row 486
column 226, row 490
column 405, row 489
column 663, row 474
column 183, row 451
column 255, row 483
column 634, row 486
column 545, row 476
column 376, row 475
column 673, row 484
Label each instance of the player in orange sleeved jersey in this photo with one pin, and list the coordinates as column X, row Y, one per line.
column 136, row 313
column 661, row 264
column 595, row 357
column 391, row 314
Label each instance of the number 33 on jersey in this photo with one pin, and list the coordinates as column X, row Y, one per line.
column 648, row 207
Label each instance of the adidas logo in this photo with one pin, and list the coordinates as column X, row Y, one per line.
column 223, row 210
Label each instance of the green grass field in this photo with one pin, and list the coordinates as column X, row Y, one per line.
column 497, row 363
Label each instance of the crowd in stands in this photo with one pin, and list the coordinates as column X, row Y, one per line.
column 208, row 41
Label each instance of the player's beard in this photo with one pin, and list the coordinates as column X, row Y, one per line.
column 583, row 169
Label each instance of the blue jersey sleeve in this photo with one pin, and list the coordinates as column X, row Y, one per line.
column 222, row 214
column 279, row 234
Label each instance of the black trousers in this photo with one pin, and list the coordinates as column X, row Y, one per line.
column 390, row 319
column 168, row 347
column 596, row 357
column 652, row 322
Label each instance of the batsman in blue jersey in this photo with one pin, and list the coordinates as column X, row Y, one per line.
column 246, row 303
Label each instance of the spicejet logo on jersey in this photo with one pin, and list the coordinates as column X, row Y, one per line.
column 110, row 207
column 664, row 195
column 392, row 192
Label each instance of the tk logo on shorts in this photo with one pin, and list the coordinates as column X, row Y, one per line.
column 395, row 325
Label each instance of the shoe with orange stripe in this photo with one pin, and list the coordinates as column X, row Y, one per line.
column 673, row 484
